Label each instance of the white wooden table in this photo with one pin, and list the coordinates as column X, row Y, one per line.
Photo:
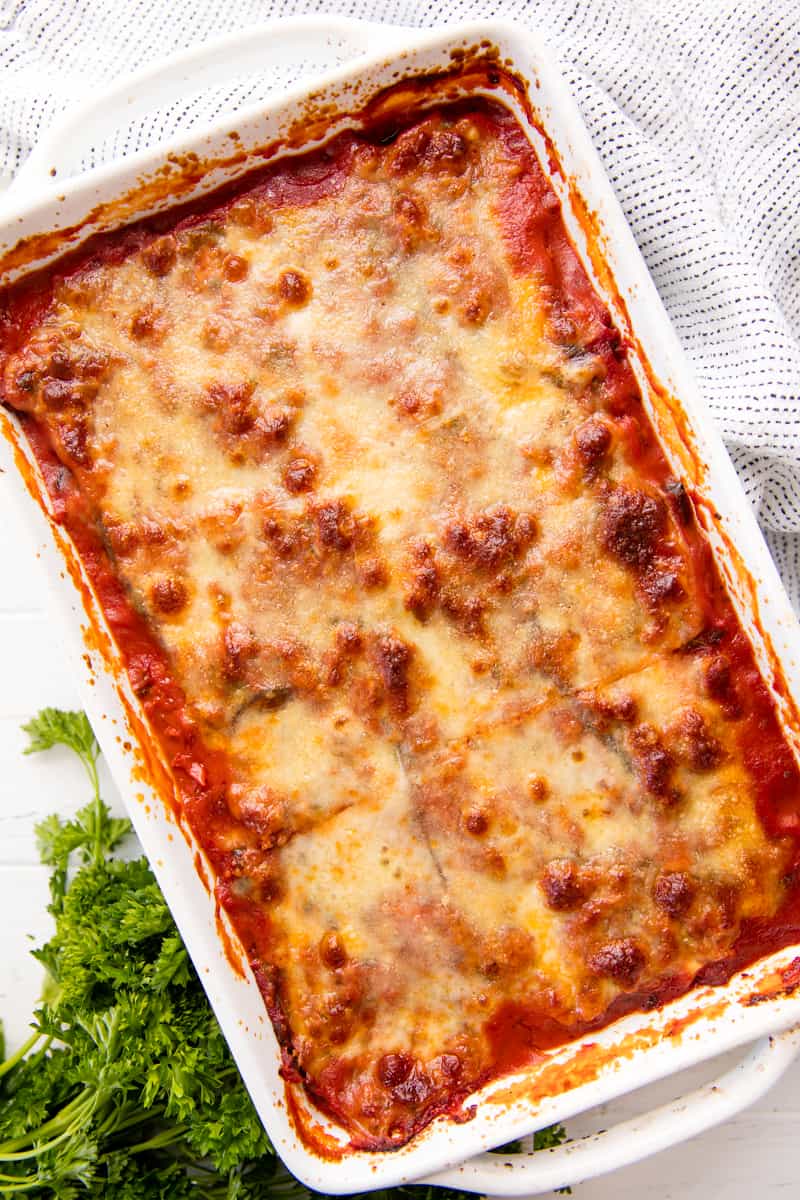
column 755, row 1156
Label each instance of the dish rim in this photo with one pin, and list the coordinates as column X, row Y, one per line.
column 441, row 1144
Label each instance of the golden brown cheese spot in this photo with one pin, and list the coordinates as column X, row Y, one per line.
column 720, row 685
column 592, row 440
column 373, row 574
column 654, row 762
column 692, row 741
column 253, row 213
column 232, row 405
column 235, row 268
column 393, row 657
column 74, row 439
column 349, row 638
column 438, row 149
column 294, row 288
column 332, row 950
column 223, row 528
column 262, row 810
column 477, row 306
column 537, row 788
column 169, row 596
column 61, row 378
column 273, row 424
column 123, row 537
column 299, row 475
column 411, row 222
column 606, row 709
column 59, row 393
column 126, row 537
column 662, row 584
column 294, row 539
column 673, row 893
column 240, row 646
column 466, row 612
column 83, row 363
column 160, row 256
column 245, row 428
column 422, row 590
column 476, row 822
column 503, row 952
column 336, row 526
column 149, row 323
column 553, row 655
column 634, row 525
column 490, row 539
column 619, row 959
column 203, row 258
column 562, row 885
column 420, row 403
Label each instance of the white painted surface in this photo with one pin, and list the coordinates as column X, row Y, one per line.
column 756, row 1155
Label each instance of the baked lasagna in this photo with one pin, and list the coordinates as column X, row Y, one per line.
column 441, row 667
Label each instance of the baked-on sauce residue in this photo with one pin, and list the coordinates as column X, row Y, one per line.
column 437, row 655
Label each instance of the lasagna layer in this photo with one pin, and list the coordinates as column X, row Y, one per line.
column 441, row 665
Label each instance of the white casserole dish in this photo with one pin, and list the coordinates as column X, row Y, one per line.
column 636, row 1050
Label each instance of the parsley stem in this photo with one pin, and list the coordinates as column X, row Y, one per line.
column 6, row 1066
column 90, row 763
column 138, row 1116
column 167, row 1137
column 80, row 1107
column 39, row 1148
column 25, row 1185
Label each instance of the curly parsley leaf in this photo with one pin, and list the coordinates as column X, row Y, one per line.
column 549, row 1138
column 56, row 727
column 93, row 833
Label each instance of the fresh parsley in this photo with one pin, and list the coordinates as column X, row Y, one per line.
column 126, row 1087
column 549, row 1138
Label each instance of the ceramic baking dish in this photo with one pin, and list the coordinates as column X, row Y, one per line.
column 47, row 211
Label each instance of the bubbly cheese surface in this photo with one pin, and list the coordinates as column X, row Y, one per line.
column 366, row 455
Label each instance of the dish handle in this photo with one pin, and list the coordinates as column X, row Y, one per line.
column 278, row 43
column 632, row 1140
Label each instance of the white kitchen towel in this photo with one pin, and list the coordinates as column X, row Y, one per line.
column 694, row 106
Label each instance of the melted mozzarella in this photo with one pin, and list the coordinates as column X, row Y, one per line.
column 357, row 521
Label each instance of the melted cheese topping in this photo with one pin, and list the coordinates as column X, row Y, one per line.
column 385, row 493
